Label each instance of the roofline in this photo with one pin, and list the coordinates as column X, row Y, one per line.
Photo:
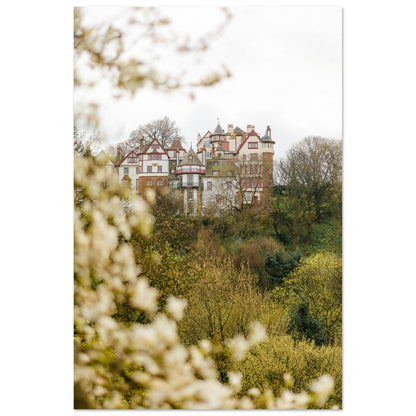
column 128, row 154
column 145, row 152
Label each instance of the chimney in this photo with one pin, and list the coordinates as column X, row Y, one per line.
column 250, row 128
column 268, row 131
column 230, row 129
column 119, row 153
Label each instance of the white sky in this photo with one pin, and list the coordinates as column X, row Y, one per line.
column 286, row 65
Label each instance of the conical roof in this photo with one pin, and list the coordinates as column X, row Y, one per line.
column 218, row 130
column 190, row 158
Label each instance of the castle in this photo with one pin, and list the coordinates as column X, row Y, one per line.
column 227, row 171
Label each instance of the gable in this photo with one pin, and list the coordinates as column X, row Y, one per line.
column 251, row 137
column 154, row 147
column 130, row 155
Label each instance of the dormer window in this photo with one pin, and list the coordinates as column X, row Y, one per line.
column 190, row 157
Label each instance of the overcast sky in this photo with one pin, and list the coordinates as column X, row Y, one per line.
column 286, row 65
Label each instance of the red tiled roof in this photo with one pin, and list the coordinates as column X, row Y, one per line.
column 176, row 144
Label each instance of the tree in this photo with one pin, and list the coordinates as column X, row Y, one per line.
column 303, row 325
column 278, row 265
column 312, row 175
column 164, row 129
column 86, row 144
column 319, row 280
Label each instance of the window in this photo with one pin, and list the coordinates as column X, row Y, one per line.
column 137, row 171
column 149, row 182
column 190, row 195
column 244, row 157
column 159, row 182
column 216, row 163
column 209, row 186
column 132, row 160
column 215, row 173
column 126, row 171
column 155, row 146
column 229, row 173
column 137, row 184
column 229, row 186
column 159, row 168
column 149, row 168
column 253, row 145
column 155, row 157
column 190, row 157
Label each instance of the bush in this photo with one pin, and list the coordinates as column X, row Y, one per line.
column 303, row 325
column 224, row 301
column 318, row 278
column 254, row 254
column 267, row 363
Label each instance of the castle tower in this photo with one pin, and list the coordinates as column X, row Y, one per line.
column 190, row 170
column 267, row 158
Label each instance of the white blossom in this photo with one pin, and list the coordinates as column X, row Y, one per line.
column 257, row 333
column 144, row 297
column 234, row 380
column 323, row 388
column 176, row 307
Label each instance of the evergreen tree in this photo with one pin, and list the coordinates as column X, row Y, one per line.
column 303, row 325
column 279, row 265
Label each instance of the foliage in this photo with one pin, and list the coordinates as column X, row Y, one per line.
column 326, row 236
column 268, row 364
column 142, row 365
column 303, row 325
column 253, row 254
column 278, row 265
column 223, row 302
column 312, row 176
column 318, row 279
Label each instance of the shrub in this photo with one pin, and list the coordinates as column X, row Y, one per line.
column 318, row 278
column 266, row 364
column 303, row 325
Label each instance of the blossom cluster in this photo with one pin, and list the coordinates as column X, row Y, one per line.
column 143, row 364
